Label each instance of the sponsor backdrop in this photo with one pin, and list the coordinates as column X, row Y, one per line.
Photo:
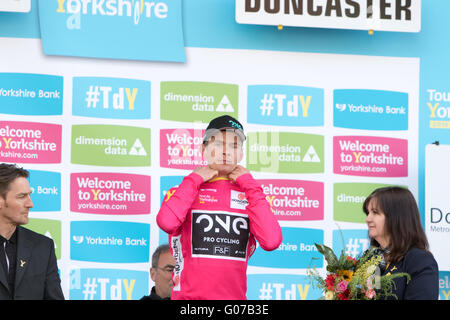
column 105, row 137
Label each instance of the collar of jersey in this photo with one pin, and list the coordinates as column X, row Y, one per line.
column 218, row 179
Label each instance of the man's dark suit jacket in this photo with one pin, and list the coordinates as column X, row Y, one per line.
column 424, row 272
column 37, row 275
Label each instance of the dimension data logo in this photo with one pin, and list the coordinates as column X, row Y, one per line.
column 31, row 94
column 109, row 241
column 30, row 142
column 349, row 199
column 296, row 251
column 285, row 152
column 111, row 98
column 107, row 145
column 370, row 109
column 285, row 105
column 198, row 101
column 295, row 200
column 110, row 193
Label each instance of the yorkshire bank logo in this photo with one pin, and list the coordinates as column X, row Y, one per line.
column 109, row 241
column 78, row 239
column 110, row 193
column 285, row 105
column 109, row 145
column 111, row 98
column 134, row 9
column 30, row 142
column 113, row 29
column 31, row 94
column 370, row 109
column 295, row 200
column 198, row 101
column 107, row 284
column 285, row 152
column 370, row 156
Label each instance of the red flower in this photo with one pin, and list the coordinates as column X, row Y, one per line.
column 344, row 295
column 329, row 281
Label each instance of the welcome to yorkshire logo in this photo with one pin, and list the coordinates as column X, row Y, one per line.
column 134, row 9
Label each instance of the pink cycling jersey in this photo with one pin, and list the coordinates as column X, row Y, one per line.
column 212, row 228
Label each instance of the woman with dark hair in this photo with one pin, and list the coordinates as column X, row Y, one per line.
column 394, row 226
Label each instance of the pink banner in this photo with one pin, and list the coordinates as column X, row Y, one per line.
column 295, row 200
column 110, row 193
column 30, row 142
column 370, row 156
column 181, row 148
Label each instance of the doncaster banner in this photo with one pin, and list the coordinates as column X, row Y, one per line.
column 380, row 15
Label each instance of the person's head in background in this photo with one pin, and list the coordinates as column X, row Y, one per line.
column 223, row 144
column 15, row 200
column 161, row 271
column 393, row 219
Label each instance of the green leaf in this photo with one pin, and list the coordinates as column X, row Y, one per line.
column 329, row 255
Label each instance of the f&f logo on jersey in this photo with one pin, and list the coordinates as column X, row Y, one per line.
column 237, row 200
column 222, row 235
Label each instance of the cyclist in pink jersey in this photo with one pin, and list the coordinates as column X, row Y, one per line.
column 214, row 218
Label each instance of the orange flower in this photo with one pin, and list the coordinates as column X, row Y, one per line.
column 346, row 274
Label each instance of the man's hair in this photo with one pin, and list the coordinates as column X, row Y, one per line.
column 155, row 257
column 9, row 173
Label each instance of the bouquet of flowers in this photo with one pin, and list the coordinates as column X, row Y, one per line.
column 354, row 279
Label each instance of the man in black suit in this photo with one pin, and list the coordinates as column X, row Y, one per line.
column 28, row 268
